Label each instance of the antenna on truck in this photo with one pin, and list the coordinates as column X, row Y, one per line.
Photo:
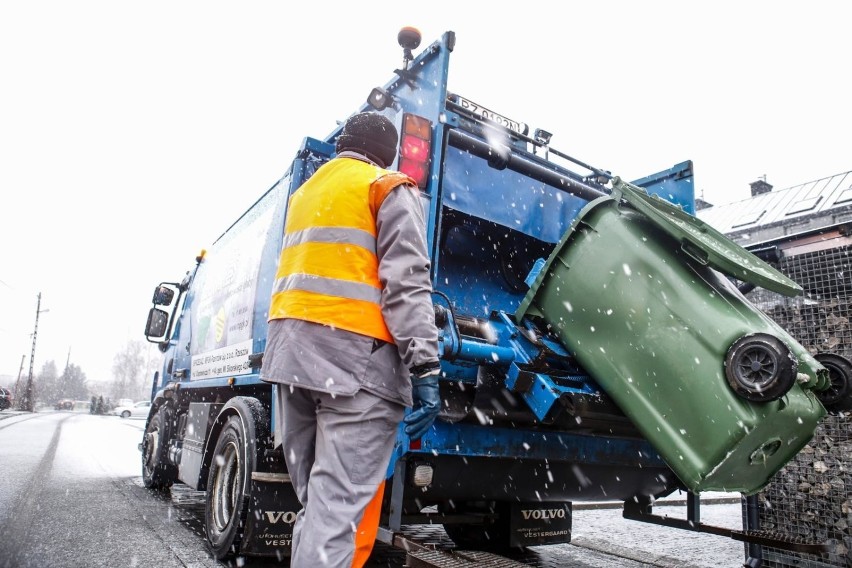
column 408, row 38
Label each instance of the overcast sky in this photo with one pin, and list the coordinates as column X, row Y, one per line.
column 133, row 133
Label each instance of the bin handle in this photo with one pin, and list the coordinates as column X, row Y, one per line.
column 697, row 253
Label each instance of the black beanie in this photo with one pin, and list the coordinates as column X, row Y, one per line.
column 370, row 134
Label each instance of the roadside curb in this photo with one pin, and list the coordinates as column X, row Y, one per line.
column 10, row 413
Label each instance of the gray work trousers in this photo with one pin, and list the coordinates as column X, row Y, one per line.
column 337, row 450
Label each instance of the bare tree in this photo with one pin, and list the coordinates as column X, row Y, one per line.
column 128, row 367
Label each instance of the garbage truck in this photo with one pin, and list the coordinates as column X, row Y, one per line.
column 593, row 338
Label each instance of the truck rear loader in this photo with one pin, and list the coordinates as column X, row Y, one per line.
column 594, row 343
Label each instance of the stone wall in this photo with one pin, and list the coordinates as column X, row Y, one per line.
column 811, row 497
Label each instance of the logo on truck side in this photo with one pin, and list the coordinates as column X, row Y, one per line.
column 273, row 517
column 543, row 514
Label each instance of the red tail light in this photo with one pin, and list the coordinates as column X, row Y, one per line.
column 415, row 148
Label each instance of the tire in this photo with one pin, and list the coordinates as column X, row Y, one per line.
column 231, row 466
column 125, row 414
column 760, row 367
column 838, row 396
column 157, row 473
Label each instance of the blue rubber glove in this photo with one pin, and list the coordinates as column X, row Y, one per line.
column 427, row 400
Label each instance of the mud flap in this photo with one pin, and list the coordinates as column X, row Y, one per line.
column 272, row 512
column 539, row 522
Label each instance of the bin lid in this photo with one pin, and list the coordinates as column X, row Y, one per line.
column 705, row 243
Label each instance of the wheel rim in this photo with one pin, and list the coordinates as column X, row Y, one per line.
column 839, row 372
column 836, row 380
column 756, row 368
column 226, row 488
column 760, row 367
column 152, row 444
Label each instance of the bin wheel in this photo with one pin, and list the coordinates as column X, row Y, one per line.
column 838, row 396
column 760, row 367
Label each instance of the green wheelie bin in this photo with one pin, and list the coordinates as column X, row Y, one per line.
column 644, row 296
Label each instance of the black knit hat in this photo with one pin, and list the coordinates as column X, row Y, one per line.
column 370, row 134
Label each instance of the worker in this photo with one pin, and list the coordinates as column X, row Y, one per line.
column 352, row 340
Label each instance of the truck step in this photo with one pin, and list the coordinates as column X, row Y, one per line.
column 761, row 537
column 427, row 546
column 458, row 559
column 781, row 540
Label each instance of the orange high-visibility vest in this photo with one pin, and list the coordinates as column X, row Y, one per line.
column 328, row 272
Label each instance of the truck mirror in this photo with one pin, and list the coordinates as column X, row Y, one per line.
column 158, row 321
column 163, row 295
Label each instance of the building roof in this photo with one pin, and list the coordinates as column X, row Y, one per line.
column 800, row 209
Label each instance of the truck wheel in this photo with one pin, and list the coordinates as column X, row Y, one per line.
column 227, row 488
column 838, row 396
column 760, row 367
column 157, row 472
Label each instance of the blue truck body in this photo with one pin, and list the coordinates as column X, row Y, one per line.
column 523, row 426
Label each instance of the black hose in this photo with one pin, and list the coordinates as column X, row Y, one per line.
column 449, row 305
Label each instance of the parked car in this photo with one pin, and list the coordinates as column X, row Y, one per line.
column 5, row 398
column 136, row 409
column 64, row 404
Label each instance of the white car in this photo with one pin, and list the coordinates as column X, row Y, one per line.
column 138, row 409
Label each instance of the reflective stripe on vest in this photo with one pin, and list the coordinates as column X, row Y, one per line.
column 329, row 287
column 328, row 269
column 337, row 235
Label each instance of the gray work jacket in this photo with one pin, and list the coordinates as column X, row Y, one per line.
column 318, row 357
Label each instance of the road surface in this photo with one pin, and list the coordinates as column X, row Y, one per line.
column 72, row 496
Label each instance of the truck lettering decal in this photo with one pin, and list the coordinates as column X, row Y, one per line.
column 230, row 360
column 543, row 514
column 222, row 317
column 288, row 517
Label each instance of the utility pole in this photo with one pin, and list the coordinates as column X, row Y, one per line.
column 27, row 400
column 65, row 375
